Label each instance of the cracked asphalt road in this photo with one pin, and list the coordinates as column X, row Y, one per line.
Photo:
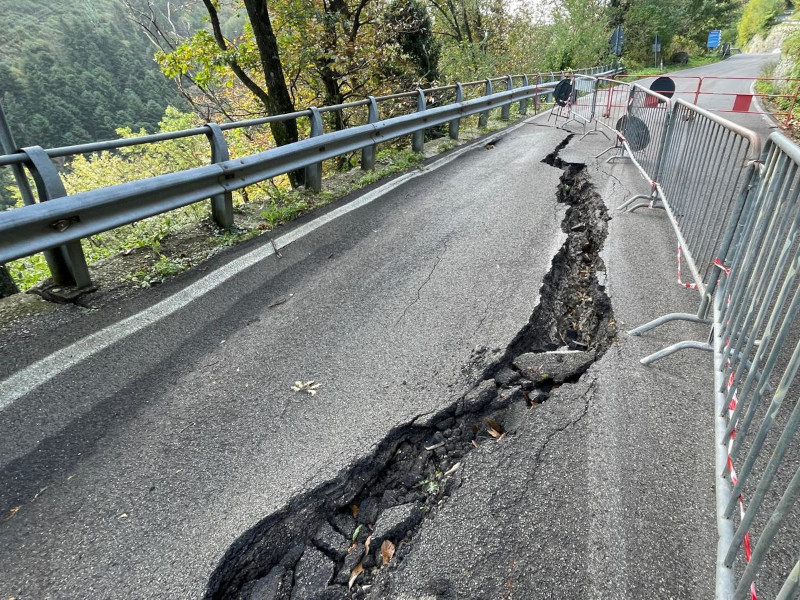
column 605, row 490
column 130, row 474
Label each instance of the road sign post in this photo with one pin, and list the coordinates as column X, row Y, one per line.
column 656, row 50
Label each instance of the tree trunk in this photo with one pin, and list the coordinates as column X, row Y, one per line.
column 279, row 102
column 7, row 285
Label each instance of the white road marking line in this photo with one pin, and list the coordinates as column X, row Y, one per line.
column 31, row 377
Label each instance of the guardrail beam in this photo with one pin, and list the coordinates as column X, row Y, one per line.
column 47, row 225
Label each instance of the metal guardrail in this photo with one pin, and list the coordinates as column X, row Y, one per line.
column 56, row 227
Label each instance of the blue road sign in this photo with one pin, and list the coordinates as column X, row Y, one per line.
column 713, row 38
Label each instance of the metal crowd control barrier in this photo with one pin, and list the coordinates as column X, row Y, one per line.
column 61, row 224
column 700, row 168
column 701, row 91
column 640, row 127
column 756, row 360
column 581, row 106
column 740, row 220
column 707, row 168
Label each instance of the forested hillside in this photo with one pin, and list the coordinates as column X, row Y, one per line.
column 75, row 70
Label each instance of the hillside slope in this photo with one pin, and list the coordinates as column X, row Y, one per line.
column 73, row 71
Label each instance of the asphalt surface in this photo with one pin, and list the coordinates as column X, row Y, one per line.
column 131, row 472
column 130, row 468
column 606, row 490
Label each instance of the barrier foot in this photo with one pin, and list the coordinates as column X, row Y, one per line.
column 609, row 149
column 646, row 205
column 630, row 201
column 621, row 157
column 595, row 130
column 691, row 317
column 675, row 348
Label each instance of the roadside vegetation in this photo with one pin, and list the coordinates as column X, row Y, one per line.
column 224, row 60
column 774, row 25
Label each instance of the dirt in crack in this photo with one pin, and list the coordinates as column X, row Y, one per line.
column 333, row 541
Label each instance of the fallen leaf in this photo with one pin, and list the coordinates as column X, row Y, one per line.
column 495, row 429
column 356, row 532
column 387, row 551
column 452, row 469
column 357, row 570
column 366, row 545
column 354, row 510
column 474, row 443
column 40, row 492
column 308, row 387
column 435, row 446
column 11, row 513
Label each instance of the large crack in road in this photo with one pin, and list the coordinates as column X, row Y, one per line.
column 334, row 541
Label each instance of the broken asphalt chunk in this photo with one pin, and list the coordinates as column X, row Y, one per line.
column 558, row 366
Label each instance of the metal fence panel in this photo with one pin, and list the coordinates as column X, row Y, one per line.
column 757, row 343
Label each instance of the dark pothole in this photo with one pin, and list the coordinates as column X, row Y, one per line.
column 333, row 541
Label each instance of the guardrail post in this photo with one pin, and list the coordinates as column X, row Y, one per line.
column 418, row 137
column 368, row 152
column 536, row 98
column 483, row 119
column 505, row 111
column 67, row 263
column 314, row 172
column 456, row 123
column 221, row 204
column 549, row 98
column 523, row 104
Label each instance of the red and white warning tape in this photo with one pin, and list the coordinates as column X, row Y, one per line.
column 688, row 286
column 735, row 479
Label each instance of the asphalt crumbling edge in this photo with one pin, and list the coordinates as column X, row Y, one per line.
column 333, row 541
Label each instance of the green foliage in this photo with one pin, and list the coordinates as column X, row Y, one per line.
column 398, row 161
column 413, row 31
column 682, row 25
column 74, row 71
column 159, row 271
column 758, row 16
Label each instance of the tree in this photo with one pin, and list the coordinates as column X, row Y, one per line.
column 413, row 31
column 209, row 58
